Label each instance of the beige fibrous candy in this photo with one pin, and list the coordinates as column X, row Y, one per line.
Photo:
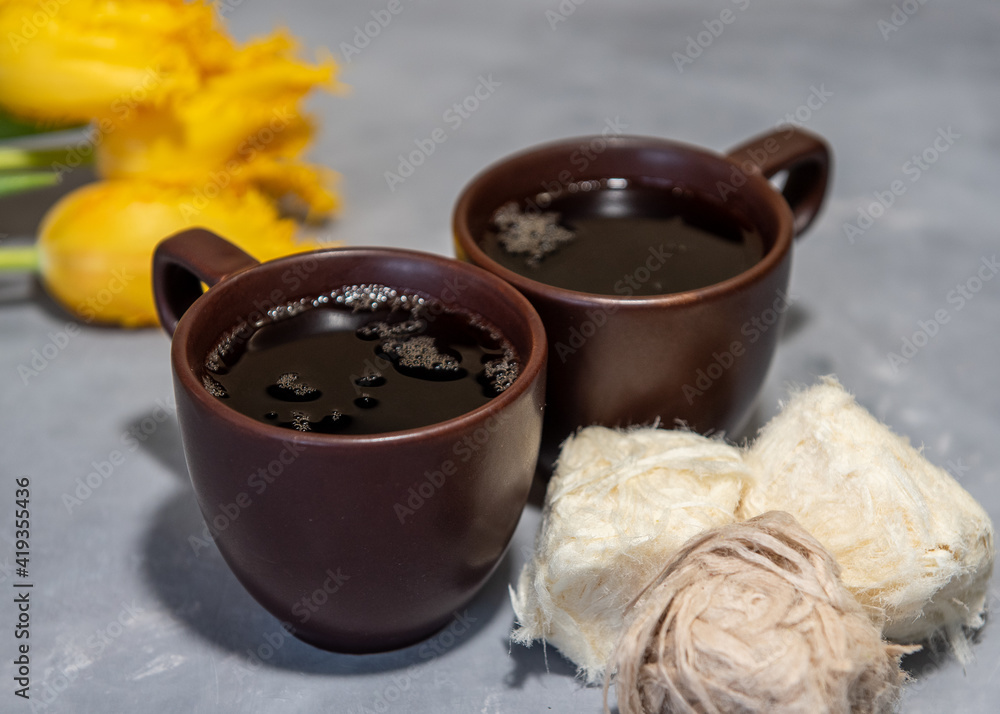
column 618, row 505
column 913, row 547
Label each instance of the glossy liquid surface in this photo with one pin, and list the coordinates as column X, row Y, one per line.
column 619, row 238
column 362, row 360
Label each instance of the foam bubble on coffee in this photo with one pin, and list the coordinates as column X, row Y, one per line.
column 214, row 388
column 290, row 381
column 534, row 235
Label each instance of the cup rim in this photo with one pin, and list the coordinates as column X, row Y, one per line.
column 628, row 142
column 185, row 362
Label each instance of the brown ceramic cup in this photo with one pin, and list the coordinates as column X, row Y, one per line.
column 696, row 356
column 359, row 543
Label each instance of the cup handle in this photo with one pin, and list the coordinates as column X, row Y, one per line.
column 804, row 155
column 182, row 262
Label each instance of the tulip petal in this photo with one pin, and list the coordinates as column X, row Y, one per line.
column 96, row 244
column 83, row 59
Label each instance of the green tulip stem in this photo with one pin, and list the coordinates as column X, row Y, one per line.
column 11, row 183
column 15, row 158
column 18, row 259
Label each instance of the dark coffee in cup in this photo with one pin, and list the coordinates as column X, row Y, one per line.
column 622, row 236
column 360, row 359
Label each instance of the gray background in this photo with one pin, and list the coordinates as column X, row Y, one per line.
column 123, row 555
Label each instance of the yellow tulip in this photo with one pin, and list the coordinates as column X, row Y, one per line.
column 243, row 127
column 191, row 129
column 96, row 244
column 75, row 60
